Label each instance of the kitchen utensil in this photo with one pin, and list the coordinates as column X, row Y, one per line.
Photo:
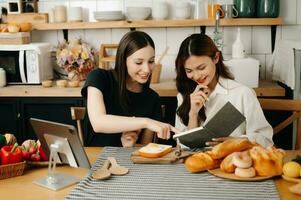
column 75, row 14
column 182, row 10
column 200, row 9
column 160, row 10
column 113, row 15
column 230, row 10
column 163, row 55
column 138, row 13
column 60, row 14
column 51, row 15
column 102, row 173
column 245, row 8
column 115, row 168
column 238, row 50
column 61, row 83
column 156, row 73
column 178, row 150
column 267, row 8
column 105, row 55
column 47, row 83
column 213, row 8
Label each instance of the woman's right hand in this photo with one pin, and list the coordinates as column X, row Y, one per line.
column 198, row 98
column 162, row 129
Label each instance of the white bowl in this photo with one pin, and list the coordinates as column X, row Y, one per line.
column 138, row 13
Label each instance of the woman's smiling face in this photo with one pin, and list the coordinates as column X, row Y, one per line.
column 202, row 70
column 140, row 64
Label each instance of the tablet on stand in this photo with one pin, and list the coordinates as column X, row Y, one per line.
column 62, row 144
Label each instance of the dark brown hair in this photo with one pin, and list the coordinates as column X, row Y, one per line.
column 129, row 44
column 197, row 45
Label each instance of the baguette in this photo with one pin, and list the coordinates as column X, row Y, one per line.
column 201, row 162
column 229, row 146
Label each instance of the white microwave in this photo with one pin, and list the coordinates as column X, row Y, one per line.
column 26, row 64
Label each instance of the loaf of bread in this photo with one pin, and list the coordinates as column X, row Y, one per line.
column 267, row 162
column 201, row 162
column 229, row 146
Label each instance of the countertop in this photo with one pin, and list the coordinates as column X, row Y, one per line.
column 164, row 89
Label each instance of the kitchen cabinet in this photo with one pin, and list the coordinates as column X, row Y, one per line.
column 9, row 116
column 16, row 112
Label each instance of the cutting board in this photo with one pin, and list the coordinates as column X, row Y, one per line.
column 15, row 38
column 169, row 158
column 34, row 18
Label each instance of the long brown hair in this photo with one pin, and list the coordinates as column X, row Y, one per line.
column 129, row 44
column 197, row 45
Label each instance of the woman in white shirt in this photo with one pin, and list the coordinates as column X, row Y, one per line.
column 205, row 84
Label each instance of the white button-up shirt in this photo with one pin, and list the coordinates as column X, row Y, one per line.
column 256, row 127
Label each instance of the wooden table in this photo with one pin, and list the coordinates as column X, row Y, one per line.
column 21, row 187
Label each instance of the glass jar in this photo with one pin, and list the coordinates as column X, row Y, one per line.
column 267, row 8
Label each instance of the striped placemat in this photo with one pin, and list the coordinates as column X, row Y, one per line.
column 170, row 181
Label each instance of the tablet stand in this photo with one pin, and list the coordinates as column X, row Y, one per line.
column 57, row 181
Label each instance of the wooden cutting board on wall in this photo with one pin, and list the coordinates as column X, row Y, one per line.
column 33, row 18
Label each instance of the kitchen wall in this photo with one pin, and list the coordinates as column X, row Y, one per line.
column 256, row 39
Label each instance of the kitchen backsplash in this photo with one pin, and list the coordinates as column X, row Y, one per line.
column 256, row 39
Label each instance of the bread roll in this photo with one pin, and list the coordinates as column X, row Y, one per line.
column 267, row 162
column 229, row 146
column 201, row 162
column 227, row 164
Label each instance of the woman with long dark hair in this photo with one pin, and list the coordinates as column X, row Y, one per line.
column 121, row 106
column 205, row 84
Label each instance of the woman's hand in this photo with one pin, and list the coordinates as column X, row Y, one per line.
column 198, row 98
column 128, row 139
column 216, row 141
column 162, row 129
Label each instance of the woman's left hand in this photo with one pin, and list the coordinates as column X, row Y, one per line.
column 128, row 139
column 216, row 141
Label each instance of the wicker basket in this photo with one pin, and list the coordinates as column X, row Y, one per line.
column 11, row 170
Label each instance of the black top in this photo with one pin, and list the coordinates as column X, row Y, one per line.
column 144, row 104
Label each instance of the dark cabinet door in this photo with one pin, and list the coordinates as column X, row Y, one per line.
column 9, row 117
column 168, row 108
column 53, row 109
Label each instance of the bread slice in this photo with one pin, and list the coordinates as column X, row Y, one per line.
column 153, row 150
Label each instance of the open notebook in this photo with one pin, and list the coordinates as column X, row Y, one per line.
column 222, row 124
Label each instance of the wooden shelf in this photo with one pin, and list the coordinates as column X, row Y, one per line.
column 158, row 23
